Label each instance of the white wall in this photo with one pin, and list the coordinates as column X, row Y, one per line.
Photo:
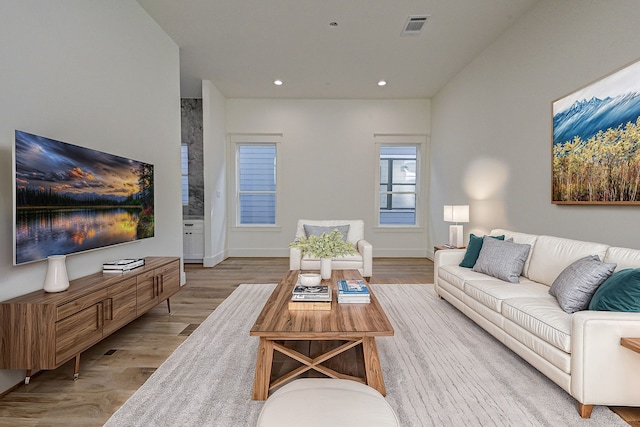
column 327, row 166
column 491, row 124
column 97, row 74
column 215, row 171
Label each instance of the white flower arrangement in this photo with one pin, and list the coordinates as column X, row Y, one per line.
column 326, row 245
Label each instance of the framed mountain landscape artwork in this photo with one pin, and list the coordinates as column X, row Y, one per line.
column 596, row 142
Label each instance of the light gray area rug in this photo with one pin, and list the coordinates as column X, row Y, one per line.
column 440, row 369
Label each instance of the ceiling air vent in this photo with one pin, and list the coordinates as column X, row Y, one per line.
column 414, row 25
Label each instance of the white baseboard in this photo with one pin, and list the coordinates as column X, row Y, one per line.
column 400, row 253
column 258, row 252
column 377, row 253
column 212, row 261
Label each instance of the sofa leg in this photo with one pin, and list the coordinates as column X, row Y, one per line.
column 585, row 410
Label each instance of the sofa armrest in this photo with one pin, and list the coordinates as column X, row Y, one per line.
column 602, row 371
column 446, row 257
column 366, row 250
column 295, row 258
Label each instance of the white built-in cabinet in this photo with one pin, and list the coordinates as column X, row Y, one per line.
column 193, row 240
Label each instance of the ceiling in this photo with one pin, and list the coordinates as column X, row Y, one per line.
column 242, row 46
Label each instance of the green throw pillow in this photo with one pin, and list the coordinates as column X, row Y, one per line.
column 620, row 292
column 473, row 250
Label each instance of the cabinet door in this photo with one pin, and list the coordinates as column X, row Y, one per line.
column 120, row 305
column 193, row 240
column 78, row 332
column 168, row 279
column 147, row 291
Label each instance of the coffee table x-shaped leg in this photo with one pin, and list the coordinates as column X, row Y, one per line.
column 263, row 384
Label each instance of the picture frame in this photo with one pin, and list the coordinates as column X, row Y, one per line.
column 595, row 147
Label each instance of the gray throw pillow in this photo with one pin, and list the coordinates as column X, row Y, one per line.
column 318, row 230
column 502, row 259
column 575, row 286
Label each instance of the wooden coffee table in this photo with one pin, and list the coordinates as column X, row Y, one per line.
column 348, row 325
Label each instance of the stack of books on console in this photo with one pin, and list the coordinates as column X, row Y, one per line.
column 353, row 291
column 122, row 265
column 310, row 298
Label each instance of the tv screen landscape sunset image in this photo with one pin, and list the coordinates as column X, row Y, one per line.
column 70, row 198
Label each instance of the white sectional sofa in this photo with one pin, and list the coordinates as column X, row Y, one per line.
column 580, row 352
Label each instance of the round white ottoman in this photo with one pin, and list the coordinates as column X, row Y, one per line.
column 315, row 402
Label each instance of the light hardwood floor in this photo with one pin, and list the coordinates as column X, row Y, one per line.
column 115, row 368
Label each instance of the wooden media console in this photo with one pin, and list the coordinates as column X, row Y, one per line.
column 45, row 330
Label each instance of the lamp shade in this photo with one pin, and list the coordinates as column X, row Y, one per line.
column 456, row 213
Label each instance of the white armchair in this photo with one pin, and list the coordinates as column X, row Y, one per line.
column 362, row 260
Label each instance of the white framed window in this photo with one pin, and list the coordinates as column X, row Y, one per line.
column 398, row 179
column 256, row 179
column 185, row 174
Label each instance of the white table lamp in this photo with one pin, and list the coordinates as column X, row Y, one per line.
column 456, row 213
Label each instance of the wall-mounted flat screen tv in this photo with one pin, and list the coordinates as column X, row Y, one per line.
column 69, row 199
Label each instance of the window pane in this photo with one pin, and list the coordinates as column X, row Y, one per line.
column 397, row 217
column 403, row 188
column 398, row 197
column 398, row 151
column 184, row 157
column 384, row 171
column 185, row 190
column 257, row 184
column 257, row 167
column 257, row 209
column 403, row 201
column 404, row 171
column 383, row 200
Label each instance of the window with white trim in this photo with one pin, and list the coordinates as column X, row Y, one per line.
column 399, row 179
column 185, row 174
column 398, row 174
column 256, row 183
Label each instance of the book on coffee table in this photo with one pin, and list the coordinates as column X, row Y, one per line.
column 353, row 291
column 310, row 305
column 311, row 293
column 311, row 299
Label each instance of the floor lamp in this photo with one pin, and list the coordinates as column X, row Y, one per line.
column 456, row 213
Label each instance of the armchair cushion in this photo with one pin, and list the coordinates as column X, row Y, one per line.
column 354, row 234
column 318, row 230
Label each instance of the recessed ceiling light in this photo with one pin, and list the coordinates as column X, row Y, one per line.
column 277, row 82
column 382, row 83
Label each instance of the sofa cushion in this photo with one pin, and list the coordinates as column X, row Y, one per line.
column 501, row 259
column 492, row 292
column 473, row 250
column 457, row 276
column 620, row 292
column 553, row 254
column 542, row 316
column 577, row 283
column 623, row 257
column 317, row 230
